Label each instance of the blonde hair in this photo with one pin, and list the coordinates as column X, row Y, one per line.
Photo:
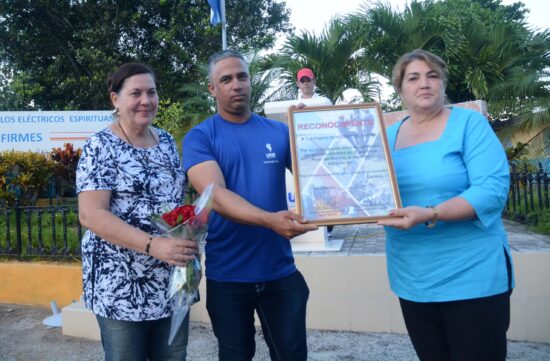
column 434, row 62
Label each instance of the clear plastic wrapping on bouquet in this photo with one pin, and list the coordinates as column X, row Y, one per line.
column 183, row 289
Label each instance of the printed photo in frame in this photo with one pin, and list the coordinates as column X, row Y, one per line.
column 342, row 167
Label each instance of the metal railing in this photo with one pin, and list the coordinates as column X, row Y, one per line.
column 40, row 232
column 54, row 231
column 529, row 193
column 45, row 227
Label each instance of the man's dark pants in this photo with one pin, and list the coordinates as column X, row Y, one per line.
column 281, row 307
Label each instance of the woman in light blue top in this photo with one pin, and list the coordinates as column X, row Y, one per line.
column 448, row 255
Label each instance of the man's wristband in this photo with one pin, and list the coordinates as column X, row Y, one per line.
column 148, row 246
column 433, row 221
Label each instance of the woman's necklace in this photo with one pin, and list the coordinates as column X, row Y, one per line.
column 128, row 139
column 144, row 156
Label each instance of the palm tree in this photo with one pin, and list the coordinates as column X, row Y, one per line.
column 522, row 97
column 196, row 104
column 333, row 57
column 386, row 34
column 490, row 52
column 266, row 81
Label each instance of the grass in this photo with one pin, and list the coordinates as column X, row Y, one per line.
column 538, row 219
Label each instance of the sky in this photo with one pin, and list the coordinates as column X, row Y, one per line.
column 312, row 15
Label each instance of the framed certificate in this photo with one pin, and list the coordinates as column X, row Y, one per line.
column 342, row 168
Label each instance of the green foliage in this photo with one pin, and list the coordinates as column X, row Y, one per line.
column 523, row 94
column 24, row 175
column 178, row 117
column 518, row 152
column 538, row 220
column 169, row 117
column 333, row 57
column 525, row 203
column 263, row 77
column 543, row 222
column 56, row 55
column 173, row 117
column 476, row 38
column 67, row 159
column 393, row 104
column 491, row 53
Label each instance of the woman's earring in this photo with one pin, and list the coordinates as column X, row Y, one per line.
column 115, row 112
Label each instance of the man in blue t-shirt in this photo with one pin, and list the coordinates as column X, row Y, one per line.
column 249, row 261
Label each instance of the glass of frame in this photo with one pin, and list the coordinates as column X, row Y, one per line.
column 342, row 168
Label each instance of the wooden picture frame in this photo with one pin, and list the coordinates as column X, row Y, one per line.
column 342, row 167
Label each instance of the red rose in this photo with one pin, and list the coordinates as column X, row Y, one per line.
column 171, row 218
column 179, row 215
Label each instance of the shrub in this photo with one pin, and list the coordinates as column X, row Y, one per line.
column 24, row 176
column 177, row 118
column 67, row 160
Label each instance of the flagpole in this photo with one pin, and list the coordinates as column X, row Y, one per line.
column 224, row 32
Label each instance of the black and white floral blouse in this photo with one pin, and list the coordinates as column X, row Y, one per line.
column 120, row 283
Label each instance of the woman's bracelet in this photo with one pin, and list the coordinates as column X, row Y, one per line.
column 433, row 221
column 148, row 246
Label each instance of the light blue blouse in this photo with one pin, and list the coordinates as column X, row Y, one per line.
column 454, row 260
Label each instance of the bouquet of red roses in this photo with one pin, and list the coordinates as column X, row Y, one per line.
column 185, row 222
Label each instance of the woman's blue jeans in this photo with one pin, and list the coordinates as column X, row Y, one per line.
column 281, row 307
column 142, row 340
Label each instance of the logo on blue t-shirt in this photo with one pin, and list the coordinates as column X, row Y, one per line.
column 271, row 154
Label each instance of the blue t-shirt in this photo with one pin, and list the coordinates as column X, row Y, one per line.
column 454, row 260
column 253, row 157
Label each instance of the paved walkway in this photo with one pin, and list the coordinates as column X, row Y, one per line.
column 370, row 239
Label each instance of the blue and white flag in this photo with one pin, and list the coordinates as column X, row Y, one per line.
column 215, row 12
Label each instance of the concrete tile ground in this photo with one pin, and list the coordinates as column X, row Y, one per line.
column 370, row 239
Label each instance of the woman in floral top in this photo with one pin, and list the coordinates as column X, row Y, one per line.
column 126, row 173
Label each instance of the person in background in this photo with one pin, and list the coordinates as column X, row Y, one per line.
column 305, row 81
column 126, row 173
column 249, row 261
column 448, row 255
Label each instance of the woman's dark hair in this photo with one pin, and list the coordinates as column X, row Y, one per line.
column 116, row 80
